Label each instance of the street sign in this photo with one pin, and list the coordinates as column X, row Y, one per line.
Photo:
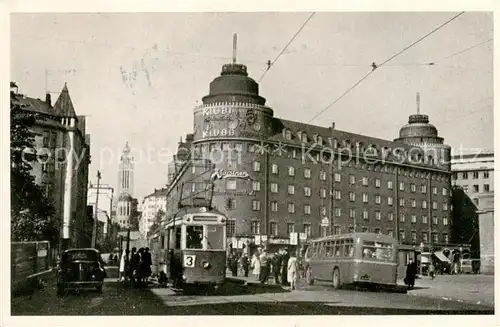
column 257, row 240
column 294, row 238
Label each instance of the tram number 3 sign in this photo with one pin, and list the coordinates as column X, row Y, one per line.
column 189, row 261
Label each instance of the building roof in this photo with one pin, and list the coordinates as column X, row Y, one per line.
column 157, row 193
column 64, row 106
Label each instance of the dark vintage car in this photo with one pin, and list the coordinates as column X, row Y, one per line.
column 80, row 269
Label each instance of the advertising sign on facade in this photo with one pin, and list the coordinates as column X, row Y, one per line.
column 294, row 238
column 223, row 174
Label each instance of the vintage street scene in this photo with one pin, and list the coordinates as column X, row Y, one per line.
column 279, row 163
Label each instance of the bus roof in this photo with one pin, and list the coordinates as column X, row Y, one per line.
column 190, row 209
column 367, row 236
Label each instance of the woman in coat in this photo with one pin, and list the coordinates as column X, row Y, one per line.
column 122, row 266
column 256, row 266
column 292, row 272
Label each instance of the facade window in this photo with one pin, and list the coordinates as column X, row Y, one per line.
column 423, row 189
column 352, row 196
column 445, row 221
column 238, row 147
column 322, row 175
column 274, row 187
column 322, row 210
column 389, row 185
column 413, row 236
column 307, row 191
column 475, row 175
column 274, row 228
column 445, row 238
column 476, row 201
column 401, row 186
column 231, row 184
column 307, row 173
column 465, row 188
column 322, row 193
column 365, row 214
column 365, row 181
column 231, row 227
column 486, row 187
column 486, row 174
column 377, row 231
column 307, row 229
column 365, row 197
column 274, row 206
column 338, row 212
column 425, row 237
column 256, row 186
column 290, row 228
column 352, row 179
column 364, row 230
column 390, row 232
column 378, row 215
column 291, row 171
column 413, row 219
column 288, row 134
column 390, row 216
column 291, row 207
column 435, row 238
column 402, row 235
column 338, row 195
column 401, row 202
column 294, row 153
column 274, row 169
column 424, row 204
column 455, row 176
column 231, row 204
column 435, row 190
column 303, row 137
column 377, row 199
column 291, row 189
column 255, row 205
column 337, row 177
column 307, row 209
column 445, row 206
column 193, row 187
column 465, row 175
column 413, row 188
column 445, row 191
column 193, row 169
column 256, row 166
column 350, row 229
column 377, row 182
column 324, row 231
column 413, row 203
column 425, row 220
column 390, row 200
column 435, row 220
column 337, row 230
column 255, row 227
column 352, row 213
column 434, row 205
column 402, row 218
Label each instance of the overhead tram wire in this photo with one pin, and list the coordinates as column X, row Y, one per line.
column 385, row 62
column 286, row 46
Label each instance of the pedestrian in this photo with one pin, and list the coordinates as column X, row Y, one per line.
column 432, row 272
column 244, row 264
column 256, row 265
column 264, row 266
column 121, row 275
column 234, row 264
column 133, row 264
column 146, row 265
column 277, row 267
column 411, row 273
column 292, row 271
column 284, row 268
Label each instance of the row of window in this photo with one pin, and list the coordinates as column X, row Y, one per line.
column 475, row 188
column 475, row 175
column 324, row 231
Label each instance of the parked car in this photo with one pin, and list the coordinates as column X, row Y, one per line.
column 80, row 269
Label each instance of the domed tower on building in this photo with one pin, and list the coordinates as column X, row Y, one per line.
column 419, row 132
column 125, row 201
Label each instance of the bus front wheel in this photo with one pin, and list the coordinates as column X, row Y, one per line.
column 336, row 279
column 309, row 278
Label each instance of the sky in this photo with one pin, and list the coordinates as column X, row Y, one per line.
column 138, row 76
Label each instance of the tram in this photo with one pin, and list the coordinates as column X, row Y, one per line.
column 191, row 248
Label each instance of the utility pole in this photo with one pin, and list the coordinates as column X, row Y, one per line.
column 94, row 229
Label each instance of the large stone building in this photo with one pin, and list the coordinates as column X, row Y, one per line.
column 275, row 176
column 151, row 205
column 60, row 134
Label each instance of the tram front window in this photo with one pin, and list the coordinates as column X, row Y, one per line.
column 194, row 237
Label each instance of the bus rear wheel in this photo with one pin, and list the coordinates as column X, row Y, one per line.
column 309, row 278
column 336, row 279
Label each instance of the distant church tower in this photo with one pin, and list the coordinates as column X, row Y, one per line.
column 125, row 203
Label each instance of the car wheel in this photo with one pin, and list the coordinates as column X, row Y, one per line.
column 336, row 279
column 309, row 277
column 60, row 290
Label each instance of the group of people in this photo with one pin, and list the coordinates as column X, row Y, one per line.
column 280, row 266
column 135, row 266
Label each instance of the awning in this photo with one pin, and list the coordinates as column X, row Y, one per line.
column 441, row 257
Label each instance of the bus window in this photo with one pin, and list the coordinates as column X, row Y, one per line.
column 215, row 237
column 349, row 248
column 377, row 250
column 338, row 248
column 194, row 237
column 329, row 249
column 321, row 249
column 178, row 237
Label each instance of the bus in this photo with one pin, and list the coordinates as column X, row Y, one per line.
column 352, row 258
column 191, row 247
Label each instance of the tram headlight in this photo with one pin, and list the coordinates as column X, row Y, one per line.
column 206, row 264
